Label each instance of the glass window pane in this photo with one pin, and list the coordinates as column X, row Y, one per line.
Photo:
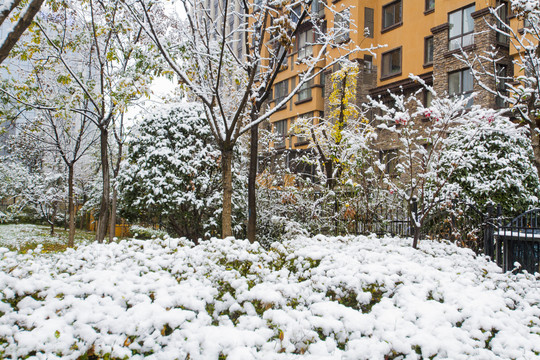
column 454, row 44
column 429, row 50
column 467, row 80
column 468, row 21
column 455, row 23
column 396, row 62
column 388, row 16
column 468, row 40
column 454, row 80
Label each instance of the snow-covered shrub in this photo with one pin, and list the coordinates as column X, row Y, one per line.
column 361, row 298
column 172, row 172
column 144, row 233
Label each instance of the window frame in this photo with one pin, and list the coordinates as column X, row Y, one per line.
column 461, row 35
column 278, row 89
column 384, row 55
column 283, row 133
column 502, row 12
column 428, row 62
column 308, row 40
column 399, row 22
column 342, row 20
column 304, row 93
column 429, row 6
column 462, row 92
column 501, row 77
column 367, row 23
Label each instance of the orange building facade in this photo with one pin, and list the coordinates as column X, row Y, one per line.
column 420, row 38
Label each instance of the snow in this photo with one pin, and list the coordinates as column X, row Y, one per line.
column 318, row 298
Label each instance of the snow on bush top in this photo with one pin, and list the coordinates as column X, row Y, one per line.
column 319, row 298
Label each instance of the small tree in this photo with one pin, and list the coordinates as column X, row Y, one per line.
column 421, row 133
column 171, row 173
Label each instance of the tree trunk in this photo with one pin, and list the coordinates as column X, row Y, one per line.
column 53, row 218
column 226, row 169
column 112, row 231
column 71, row 208
column 416, row 237
column 20, row 26
column 252, row 185
column 104, row 208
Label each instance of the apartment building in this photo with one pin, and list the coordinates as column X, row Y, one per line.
column 422, row 37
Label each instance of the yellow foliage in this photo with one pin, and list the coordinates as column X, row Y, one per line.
column 342, row 98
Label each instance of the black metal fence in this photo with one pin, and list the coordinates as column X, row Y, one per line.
column 517, row 241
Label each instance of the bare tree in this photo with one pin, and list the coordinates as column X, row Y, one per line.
column 232, row 68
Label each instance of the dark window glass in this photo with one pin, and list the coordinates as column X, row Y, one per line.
column 305, row 44
column 430, row 5
column 305, row 91
column 501, row 85
column 391, row 63
column 428, row 50
column 502, row 13
column 280, row 130
column 460, row 83
column 369, row 21
column 281, row 90
column 461, row 28
column 341, row 26
column 391, row 14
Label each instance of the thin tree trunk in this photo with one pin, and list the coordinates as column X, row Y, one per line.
column 105, row 202
column 53, row 217
column 112, row 231
column 252, row 179
column 71, row 208
column 226, row 169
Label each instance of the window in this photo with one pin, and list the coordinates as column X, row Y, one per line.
column 460, row 83
column 391, row 14
column 341, row 26
column 502, row 13
column 296, row 13
column 391, row 63
column 461, row 28
column 368, row 62
column 280, row 130
column 389, row 158
column 428, row 97
column 281, row 90
column 323, row 83
column 368, row 21
column 428, row 50
column 305, row 91
column 501, row 86
column 317, row 8
column 301, row 137
column 305, row 41
column 430, row 5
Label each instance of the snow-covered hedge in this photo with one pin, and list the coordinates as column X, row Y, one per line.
column 320, row 297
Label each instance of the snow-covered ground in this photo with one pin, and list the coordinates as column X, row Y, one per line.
column 314, row 298
column 23, row 236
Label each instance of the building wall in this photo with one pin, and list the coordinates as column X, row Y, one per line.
column 417, row 24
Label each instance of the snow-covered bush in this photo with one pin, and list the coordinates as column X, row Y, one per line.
column 144, row 233
column 362, row 298
column 172, row 174
column 495, row 167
